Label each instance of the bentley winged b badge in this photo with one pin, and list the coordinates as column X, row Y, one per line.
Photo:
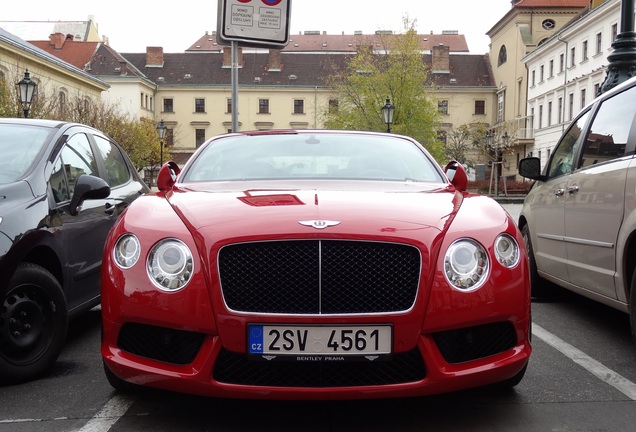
column 319, row 224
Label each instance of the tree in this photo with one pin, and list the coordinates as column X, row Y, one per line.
column 399, row 73
column 496, row 143
column 460, row 144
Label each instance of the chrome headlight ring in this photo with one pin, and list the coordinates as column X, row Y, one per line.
column 507, row 250
column 170, row 265
column 126, row 251
column 466, row 265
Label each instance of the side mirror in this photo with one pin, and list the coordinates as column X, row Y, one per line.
column 457, row 175
column 530, row 167
column 167, row 176
column 87, row 187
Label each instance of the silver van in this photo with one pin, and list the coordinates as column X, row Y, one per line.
column 579, row 218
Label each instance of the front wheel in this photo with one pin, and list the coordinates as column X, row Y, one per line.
column 33, row 324
column 538, row 285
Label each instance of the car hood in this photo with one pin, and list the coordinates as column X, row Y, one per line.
column 370, row 209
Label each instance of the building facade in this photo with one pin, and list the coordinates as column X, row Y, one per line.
column 567, row 71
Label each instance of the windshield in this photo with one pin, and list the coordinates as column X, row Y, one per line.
column 19, row 146
column 312, row 155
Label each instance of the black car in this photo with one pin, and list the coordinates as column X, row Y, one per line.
column 62, row 186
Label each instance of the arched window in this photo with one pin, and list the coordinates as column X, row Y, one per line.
column 503, row 55
column 62, row 102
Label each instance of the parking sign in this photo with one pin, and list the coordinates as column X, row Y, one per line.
column 259, row 23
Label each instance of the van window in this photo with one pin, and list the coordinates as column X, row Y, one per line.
column 563, row 156
column 607, row 137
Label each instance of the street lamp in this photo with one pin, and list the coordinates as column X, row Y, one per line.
column 26, row 90
column 387, row 112
column 622, row 61
column 161, row 131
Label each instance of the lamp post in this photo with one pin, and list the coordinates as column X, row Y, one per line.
column 622, row 61
column 26, row 90
column 387, row 112
column 161, row 131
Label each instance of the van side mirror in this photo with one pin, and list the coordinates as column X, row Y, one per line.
column 530, row 167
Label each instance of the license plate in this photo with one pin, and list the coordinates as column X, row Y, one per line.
column 282, row 340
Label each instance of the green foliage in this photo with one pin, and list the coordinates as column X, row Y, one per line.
column 399, row 74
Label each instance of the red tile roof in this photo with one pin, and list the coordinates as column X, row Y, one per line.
column 79, row 54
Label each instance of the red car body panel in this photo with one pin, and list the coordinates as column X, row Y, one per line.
column 209, row 216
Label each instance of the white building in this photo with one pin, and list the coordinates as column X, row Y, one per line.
column 566, row 72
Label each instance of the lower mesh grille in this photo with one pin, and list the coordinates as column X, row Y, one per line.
column 232, row 368
column 472, row 343
column 159, row 343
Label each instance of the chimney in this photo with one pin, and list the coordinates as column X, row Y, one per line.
column 275, row 63
column 57, row 40
column 154, row 56
column 441, row 59
column 227, row 57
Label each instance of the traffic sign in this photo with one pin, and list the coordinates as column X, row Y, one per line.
column 258, row 23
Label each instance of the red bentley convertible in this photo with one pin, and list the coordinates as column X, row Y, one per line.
column 314, row 265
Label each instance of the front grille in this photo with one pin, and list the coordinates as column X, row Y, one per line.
column 319, row 277
column 472, row 343
column 233, row 368
column 160, row 343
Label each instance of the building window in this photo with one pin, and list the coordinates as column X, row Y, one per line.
column 480, row 107
column 541, row 73
column 168, row 105
column 551, row 69
column 599, row 43
column 199, row 137
column 560, row 113
column 540, row 116
column 62, row 100
column 333, row 106
column 582, row 98
column 442, row 137
column 597, row 89
column 299, row 106
column 501, row 98
column 534, row 74
column 263, row 106
column 614, row 32
column 549, row 113
column 572, row 56
column 199, row 105
column 141, row 101
column 228, row 106
column 548, row 24
column 442, row 106
column 571, row 107
column 503, row 56
column 561, row 62
column 584, row 53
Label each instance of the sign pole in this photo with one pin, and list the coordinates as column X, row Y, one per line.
column 235, row 68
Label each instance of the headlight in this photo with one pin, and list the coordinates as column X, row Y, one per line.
column 126, row 251
column 507, row 250
column 170, row 265
column 466, row 265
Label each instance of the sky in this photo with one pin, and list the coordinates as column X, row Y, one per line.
column 133, row 25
